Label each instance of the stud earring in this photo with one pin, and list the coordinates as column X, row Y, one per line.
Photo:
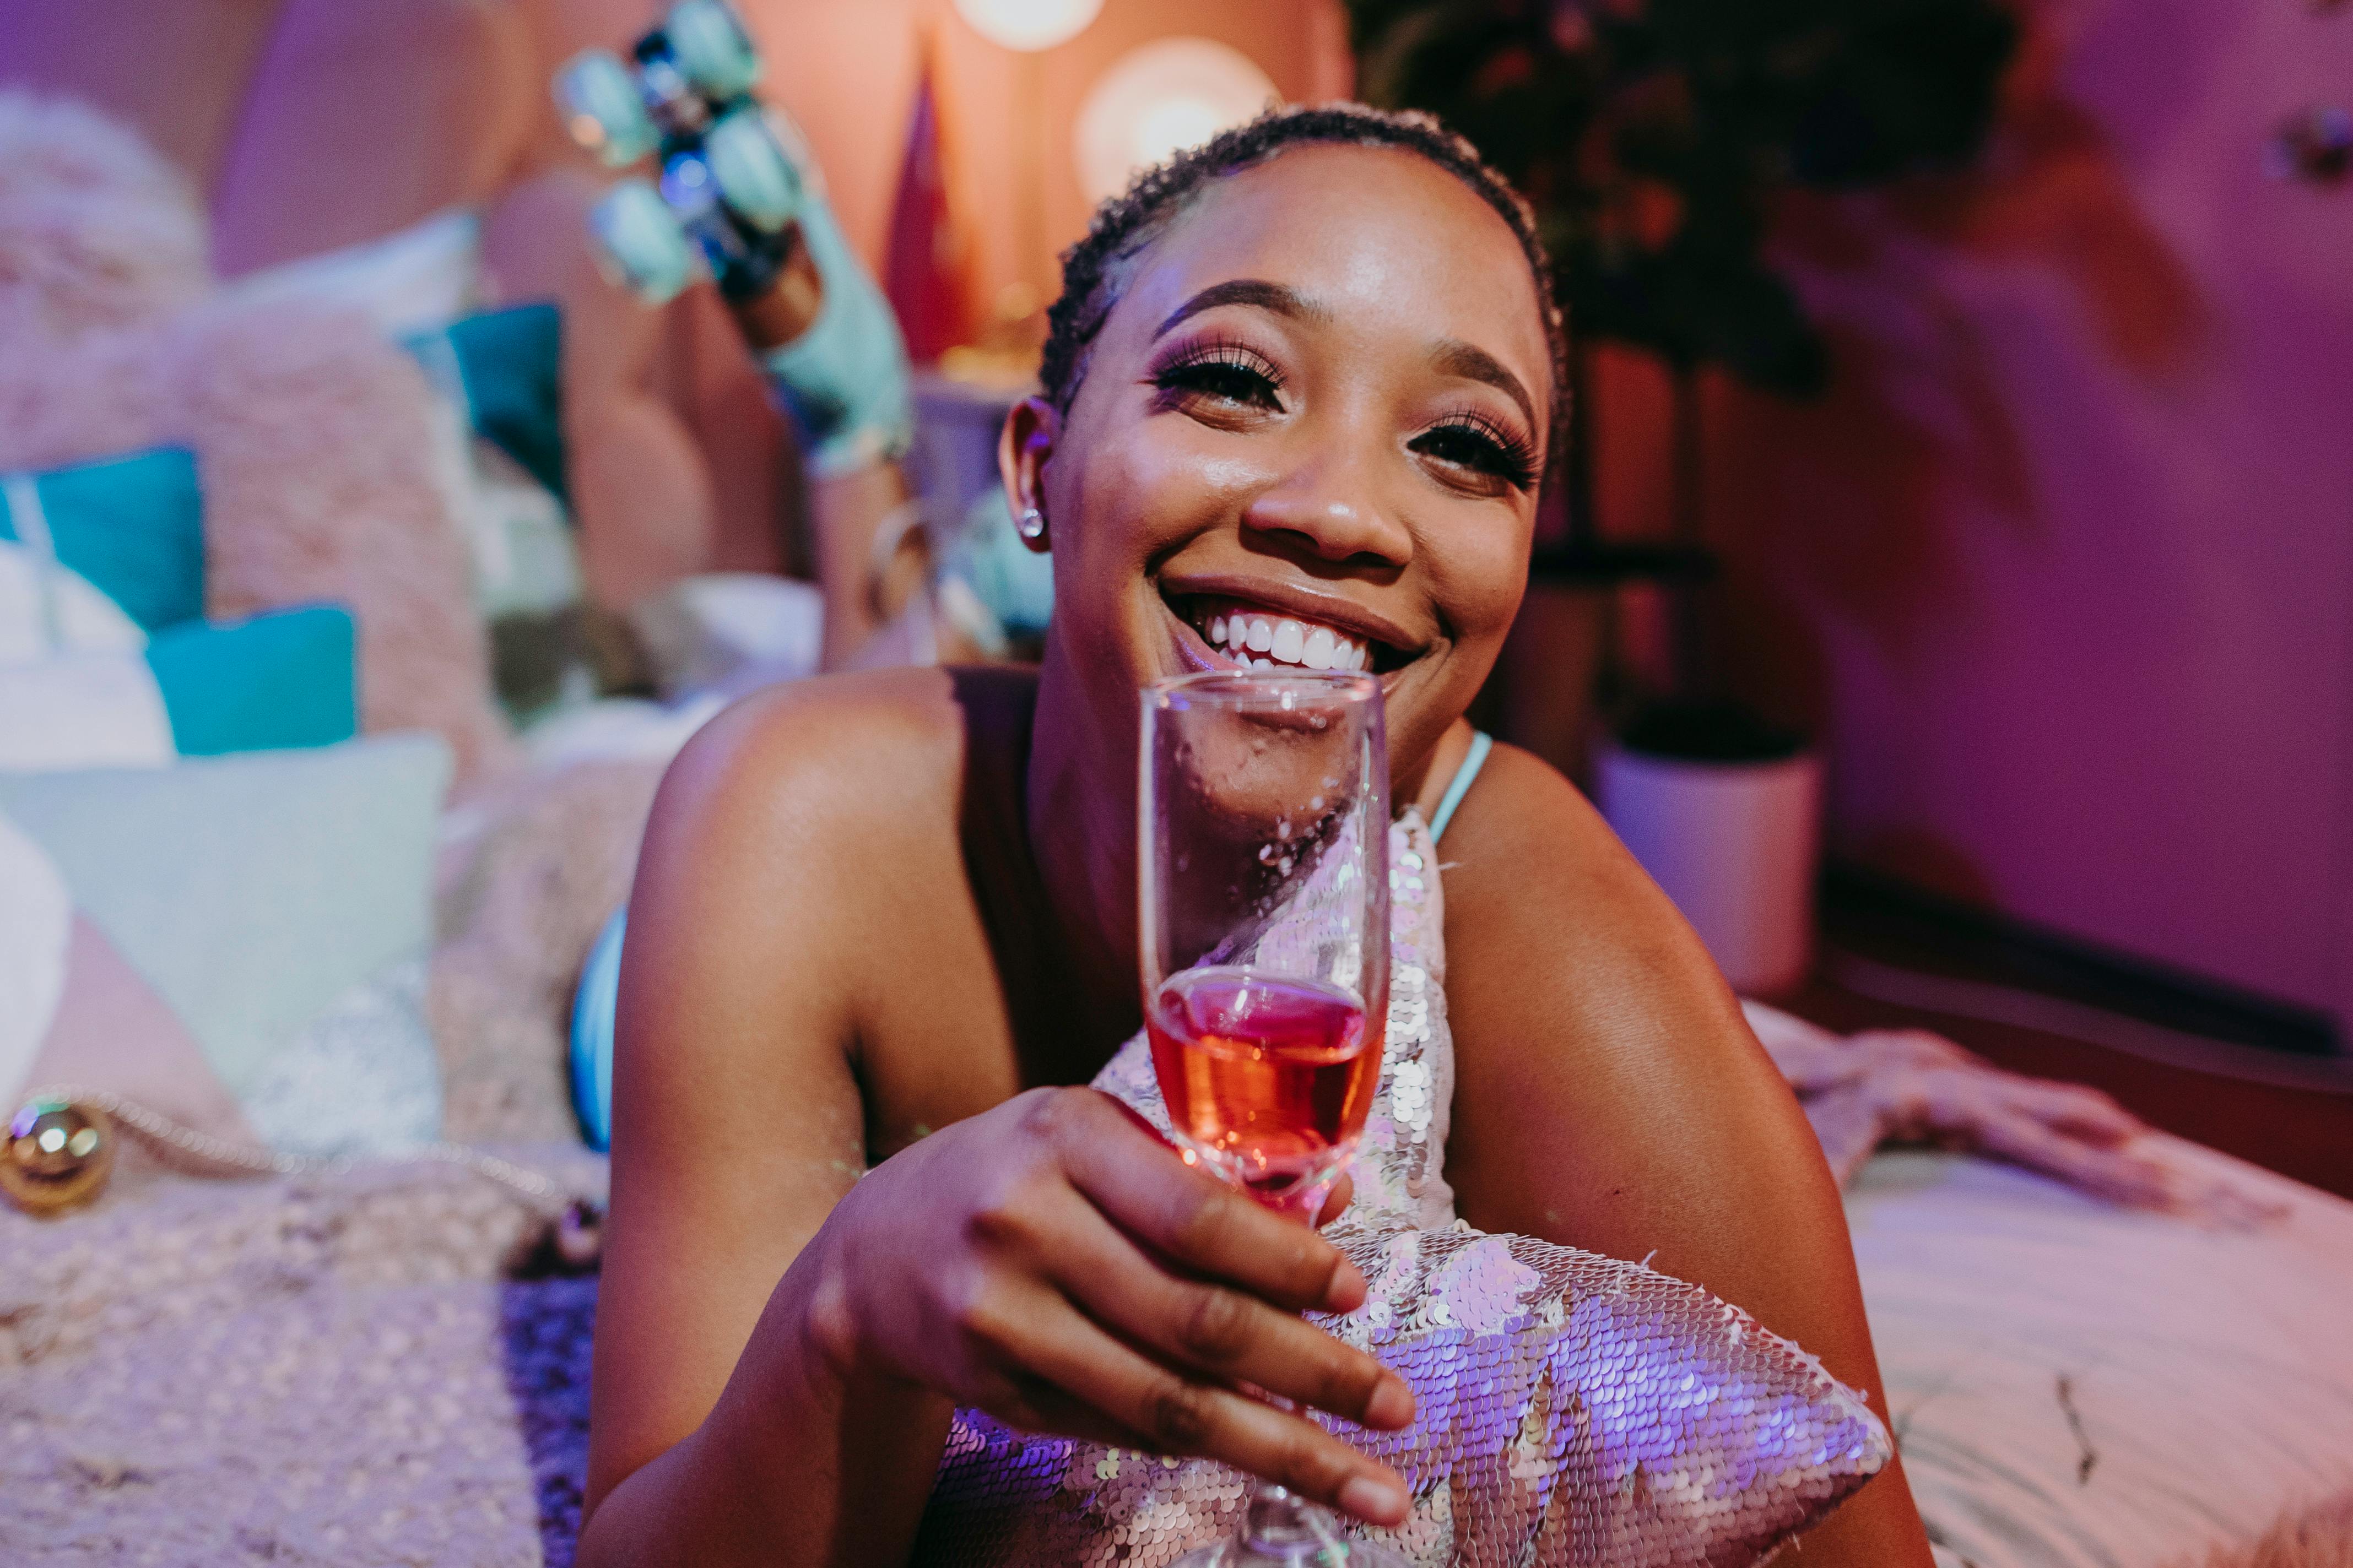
column 1031, row 524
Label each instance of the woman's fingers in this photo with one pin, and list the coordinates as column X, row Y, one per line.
column 1343, row 1192
column 1189, row 1217
column 1211, row 1328
column 1032, row 1405
column 1173, row 1414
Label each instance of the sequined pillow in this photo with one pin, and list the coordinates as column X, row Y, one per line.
column 1569, row 1408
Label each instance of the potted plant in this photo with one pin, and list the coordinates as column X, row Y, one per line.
column 1653, row 139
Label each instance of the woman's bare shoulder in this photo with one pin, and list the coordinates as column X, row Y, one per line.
column 803, row 844
column 1590, row 1018
column 1526, row 837
column 1609, row 1094
column 1581, row 998
column 848, row 765
column 821, row 820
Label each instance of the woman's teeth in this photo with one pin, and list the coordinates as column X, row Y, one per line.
column 1263, row 642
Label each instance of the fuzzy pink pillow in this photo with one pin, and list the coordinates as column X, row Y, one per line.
column 313, row 436
column 95, row 230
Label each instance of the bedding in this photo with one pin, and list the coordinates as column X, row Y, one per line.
column 418, row 279
column 216, row 941
column 47, row 607
column 498, row 448
column 2079, row 1385
column 130, row 528
column 501, row 367
column 271, row 682
column 376, row 1365
column 312, row 433
column 342, row 1368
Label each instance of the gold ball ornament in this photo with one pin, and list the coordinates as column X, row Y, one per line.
column 55, row 1154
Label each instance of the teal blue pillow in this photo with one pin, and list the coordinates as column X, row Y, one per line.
column 133, row 526
column 277, row 682
column 509, row 367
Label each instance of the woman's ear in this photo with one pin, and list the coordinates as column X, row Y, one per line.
column 1032, row 427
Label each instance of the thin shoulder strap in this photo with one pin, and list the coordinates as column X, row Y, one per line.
column 1481, row 744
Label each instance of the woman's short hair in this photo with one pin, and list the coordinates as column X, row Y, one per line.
column 1095, row 269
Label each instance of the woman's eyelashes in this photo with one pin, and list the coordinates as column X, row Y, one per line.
column 1227, row 383
column 1478, row 446
column 1218, row 376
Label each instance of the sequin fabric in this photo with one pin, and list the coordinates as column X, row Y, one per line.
column 1570, row 1408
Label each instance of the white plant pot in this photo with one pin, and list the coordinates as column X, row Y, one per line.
column 1736, row 846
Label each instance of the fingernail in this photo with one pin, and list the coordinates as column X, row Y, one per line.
column 1346, row 1291
column 1391, row 1405
column 1377, row 1503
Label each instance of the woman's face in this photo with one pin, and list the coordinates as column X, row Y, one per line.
column 1309, row 433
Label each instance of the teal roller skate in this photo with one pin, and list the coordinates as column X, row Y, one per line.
column 725, row 191
column 735, row 196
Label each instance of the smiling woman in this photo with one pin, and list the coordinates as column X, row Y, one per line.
column 1301, row 387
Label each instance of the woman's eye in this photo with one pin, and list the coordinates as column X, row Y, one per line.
column 1226, row 380
column 1464, row 446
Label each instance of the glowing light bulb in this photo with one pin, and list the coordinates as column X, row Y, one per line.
column 1156, row 101
column 1028, row 24
column 1167, row 128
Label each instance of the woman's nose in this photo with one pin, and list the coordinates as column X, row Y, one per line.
column 1333, row 511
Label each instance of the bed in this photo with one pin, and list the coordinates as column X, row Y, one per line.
column 347, row 1369
column 2078, row 1385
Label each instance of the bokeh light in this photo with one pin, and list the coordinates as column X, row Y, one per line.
column 1028, row 25
column 1159, row 99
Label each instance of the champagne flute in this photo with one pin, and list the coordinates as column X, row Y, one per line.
column 1263, row 892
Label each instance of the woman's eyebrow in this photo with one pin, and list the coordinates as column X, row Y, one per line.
column 1455, row 357
column 1281, row 299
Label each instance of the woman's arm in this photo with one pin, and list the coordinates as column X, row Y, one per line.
column 1609, row 1095
column 780, row 1340
column 738, row 1127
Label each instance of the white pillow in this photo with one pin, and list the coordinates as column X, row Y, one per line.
column 47, row 607
column 416, row 280
column 83, row 710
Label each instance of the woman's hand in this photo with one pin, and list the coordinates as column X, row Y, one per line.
column 1053, row 1263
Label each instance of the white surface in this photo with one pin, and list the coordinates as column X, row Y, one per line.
column 1734, row 847
column 618, row 729
column 713, row 629
column 2212, row 1370
column 83, row 710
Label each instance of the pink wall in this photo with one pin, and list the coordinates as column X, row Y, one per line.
column 2065, row 561
column 848, row 73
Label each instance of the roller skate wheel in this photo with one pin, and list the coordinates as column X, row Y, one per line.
column 709, row 43
column 638, row 243
column 603, row 109
column 753, row 176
